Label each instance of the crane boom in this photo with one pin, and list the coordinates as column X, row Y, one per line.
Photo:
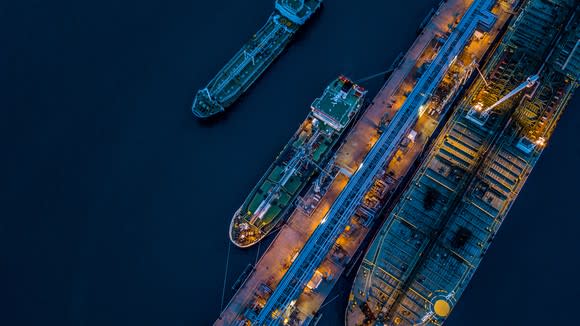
column 529, row 82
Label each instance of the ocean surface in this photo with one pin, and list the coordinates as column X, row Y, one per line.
column 115, row 203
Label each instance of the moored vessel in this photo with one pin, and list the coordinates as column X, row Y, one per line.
column 306, row 153
column 254, row 57
column 435, row 237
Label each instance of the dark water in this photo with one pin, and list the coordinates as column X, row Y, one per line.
column 115, row 203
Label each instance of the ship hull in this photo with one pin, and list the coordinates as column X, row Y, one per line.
column 246, row 66
column 436, row 236
column 266, row 230
column 308, row 151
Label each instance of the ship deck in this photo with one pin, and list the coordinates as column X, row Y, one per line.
column 436, row 236
column 308, row 149
column 298, row 10
column 240, row 72
column 251, row 59
column 335, row 107
column 391, row 97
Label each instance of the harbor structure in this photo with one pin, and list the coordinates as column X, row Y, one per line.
column 304, row 266
column 275, row 302
column 444, row 39
column 254, row 57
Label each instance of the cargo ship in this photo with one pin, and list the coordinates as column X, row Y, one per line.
column 254, row 57
column 435, row 237
column 306, row 153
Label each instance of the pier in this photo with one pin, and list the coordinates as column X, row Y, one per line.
column 298, row 270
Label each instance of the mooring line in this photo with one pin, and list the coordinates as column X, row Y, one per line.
column 226, row 276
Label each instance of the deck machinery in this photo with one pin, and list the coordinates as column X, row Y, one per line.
column 305, row 154
column 254, row 57
column 302, row 269
column 433, row 240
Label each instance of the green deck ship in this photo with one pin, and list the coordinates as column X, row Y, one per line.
column 254, row 57
column 307, row 151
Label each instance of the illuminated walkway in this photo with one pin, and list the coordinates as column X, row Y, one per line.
column 325, row 235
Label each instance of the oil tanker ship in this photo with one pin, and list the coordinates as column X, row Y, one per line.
column 435, row 237
column 254, row 57
column 305, row 154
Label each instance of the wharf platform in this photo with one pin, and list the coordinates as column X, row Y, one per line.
column 271, row 268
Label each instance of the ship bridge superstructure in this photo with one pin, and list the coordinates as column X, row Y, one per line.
column 334, row 107
column 478, row 16
column 436, row 236
column 297, row 11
